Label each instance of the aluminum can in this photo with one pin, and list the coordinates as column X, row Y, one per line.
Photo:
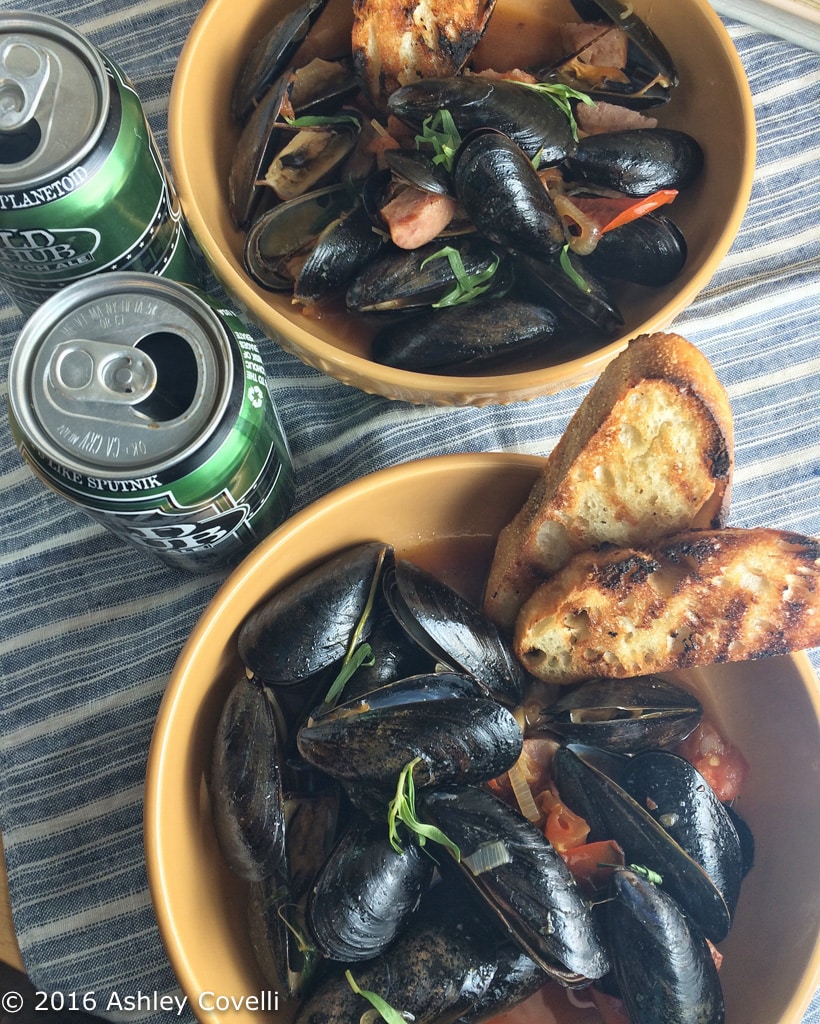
column 83, row 188
column 146, row 403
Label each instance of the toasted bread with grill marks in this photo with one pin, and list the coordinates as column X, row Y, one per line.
column 700, row 597
column 649, row 452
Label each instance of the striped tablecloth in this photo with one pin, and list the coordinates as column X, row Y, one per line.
column 89, row 631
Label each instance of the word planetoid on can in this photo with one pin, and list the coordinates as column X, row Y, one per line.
column 147, row 403
column 82, row 185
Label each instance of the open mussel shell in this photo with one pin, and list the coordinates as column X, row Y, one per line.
column 622, row 715
column 365, row 892
column 475, row 334
column 533, row 123
column 310, row 158
column 453, row 630
column 341, row 250
column 649, row 251
column 503, row 196
column 277, row 930
column 280, row 240
column 637, row 162
column 456, row 736
column 419, row 170
column 270, row 55
column 258, row 141
column 246, row 784
column 662, row 963
column 522, row 879
column 678, row 797
column 411, row 279
column 308, row 624
column 613, row 814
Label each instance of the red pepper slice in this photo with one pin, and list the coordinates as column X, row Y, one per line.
column 612, row 212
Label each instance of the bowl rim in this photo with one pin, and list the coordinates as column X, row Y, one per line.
column 413, row 386
column 156, row 809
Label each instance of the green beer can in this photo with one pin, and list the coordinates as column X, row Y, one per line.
column 83, row 188
column 146, row 403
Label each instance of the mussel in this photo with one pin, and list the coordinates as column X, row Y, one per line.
column 453, row 630
column 308, row 624
column 637, row 162
column 246, row 783
column 522, row 879
column 503, row 196
column 533, row 122
column 650, row 251
column 622, row 715
column 450, row 735
column 662, row 962
column 365, row 892
column 345, row 246
column 613, row 814
column 580, row 300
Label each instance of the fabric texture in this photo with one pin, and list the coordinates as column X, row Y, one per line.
column 89, row 630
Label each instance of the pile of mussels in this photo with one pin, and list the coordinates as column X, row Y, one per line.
column 303, row 781
column 310, row 195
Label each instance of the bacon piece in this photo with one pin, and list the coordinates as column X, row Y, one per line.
column 415, row 217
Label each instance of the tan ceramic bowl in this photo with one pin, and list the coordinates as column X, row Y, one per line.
column 714, row 105
column 436, row 511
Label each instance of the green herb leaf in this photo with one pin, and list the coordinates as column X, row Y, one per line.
column 571, row 272
column 561, row 95
column 402, row 808
column 357, row 654
column 322, row 120
column 388, row 1013
column 647, row 873
column 467, row 286
column 439, row 131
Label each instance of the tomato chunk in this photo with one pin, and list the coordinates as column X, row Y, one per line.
column 719, row 762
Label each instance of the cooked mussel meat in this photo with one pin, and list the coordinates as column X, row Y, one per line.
column 453, row 630
column 365, row 892
column 246, row 784
column 612, row 813
column 308, row 624
column 622, row 715
column 649, row 251
column 533, row 122
column 637, row 162
column 462, row 337
column 503, row 196
column 450, row 736
column 522, row 879
column 662, row 962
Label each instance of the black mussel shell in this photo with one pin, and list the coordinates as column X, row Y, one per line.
column 678, row 797
column 260, row 138
column 415, row 278
column 456, row 736
column 419, row 170
column 453, row 630
column 637, row 162
column 522, row 879
column 365, row 892
column 650, row 251
column 503, row 196
column 663, row 964
column 623, row 715
column 276, row 930
column 246, row 784
column 612, row 813
column 475, row 102
column 581, row 302
column 270, row 55
column 341, row 250
column 478, row 333
column 307, row 625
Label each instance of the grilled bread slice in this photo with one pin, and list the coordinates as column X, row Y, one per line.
column 649, row 452
column 700, row 597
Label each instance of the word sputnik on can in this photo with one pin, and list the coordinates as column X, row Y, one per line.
column 82, row 185
column 147, row 404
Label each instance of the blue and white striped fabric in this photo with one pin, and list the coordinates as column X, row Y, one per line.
column 89, row 631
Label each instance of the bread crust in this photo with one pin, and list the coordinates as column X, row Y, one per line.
column 700, row 597
column 648, row 452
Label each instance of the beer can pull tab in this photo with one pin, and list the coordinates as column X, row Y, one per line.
column 99, row 371
column 24, row 73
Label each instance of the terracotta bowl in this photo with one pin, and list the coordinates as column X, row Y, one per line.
column 435, row 511
column 202, row 140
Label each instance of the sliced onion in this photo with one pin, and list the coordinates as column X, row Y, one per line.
column 523, row 794
column 582, row 243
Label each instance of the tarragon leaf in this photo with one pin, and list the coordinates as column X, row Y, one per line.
column 467, row 286
column 402, row 808
column 439, row 130
column 571, row 272
column 387, row 1012
column 561, row 95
